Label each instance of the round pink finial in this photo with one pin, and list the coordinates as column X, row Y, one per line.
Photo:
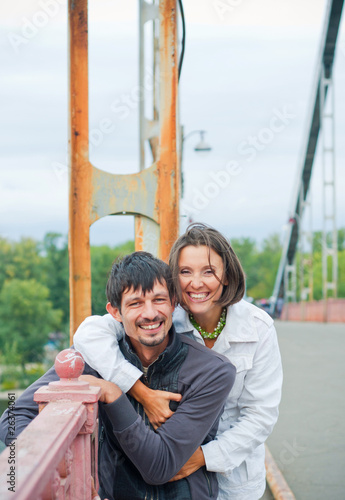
column 69, row 364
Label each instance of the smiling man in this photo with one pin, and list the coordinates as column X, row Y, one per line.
column 135, row 461
column 141, row 296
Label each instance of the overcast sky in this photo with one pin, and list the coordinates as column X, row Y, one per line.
column 246, row 68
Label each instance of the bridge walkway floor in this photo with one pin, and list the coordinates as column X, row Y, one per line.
column 308, row 442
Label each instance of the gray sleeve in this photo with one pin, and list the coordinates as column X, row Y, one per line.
column 160, row 455
column 25, row 408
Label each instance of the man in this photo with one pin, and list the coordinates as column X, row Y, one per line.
column 135, row 462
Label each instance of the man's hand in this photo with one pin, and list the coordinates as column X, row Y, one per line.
column 110, row 392
column 155, row 403
column 94, row 494
column 196, row 461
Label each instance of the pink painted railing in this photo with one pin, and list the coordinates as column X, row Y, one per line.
column 55, row 456
column 329, row 311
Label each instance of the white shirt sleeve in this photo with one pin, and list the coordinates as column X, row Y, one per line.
column 97, row 338
column 257, row 410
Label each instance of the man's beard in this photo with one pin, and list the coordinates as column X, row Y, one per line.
column 152, row 342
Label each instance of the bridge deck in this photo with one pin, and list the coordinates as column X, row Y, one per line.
column 308, row 441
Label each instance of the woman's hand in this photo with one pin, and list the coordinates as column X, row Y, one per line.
column 155, row 403
column 196, row 461
column 156, row 406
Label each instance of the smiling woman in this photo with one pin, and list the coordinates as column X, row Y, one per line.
column 202, row 280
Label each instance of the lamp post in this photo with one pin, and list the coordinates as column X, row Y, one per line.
column 200, row 148
column 202, row 145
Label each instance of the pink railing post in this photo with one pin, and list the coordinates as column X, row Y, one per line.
column 69, row 365
column 54, row 454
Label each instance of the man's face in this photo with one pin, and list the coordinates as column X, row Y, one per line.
column 147, row 318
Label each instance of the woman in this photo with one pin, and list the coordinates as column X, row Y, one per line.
column 210, row 286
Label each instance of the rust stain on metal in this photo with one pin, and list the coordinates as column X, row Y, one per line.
column 275, row 479
column 167, row 165
column 80, row 171
column 139, row 235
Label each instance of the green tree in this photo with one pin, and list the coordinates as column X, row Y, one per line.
column 266, row 266
column 341, row 275
column 21, row 260
column 55, row 251
column 341, row 239
column 26, row 317
column 5, row 259
column 246, row 251
column 317, row 241
column 102, row 258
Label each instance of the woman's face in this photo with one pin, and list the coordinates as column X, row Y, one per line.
column 200, row 287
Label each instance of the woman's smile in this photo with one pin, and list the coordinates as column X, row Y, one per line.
column 198, row 297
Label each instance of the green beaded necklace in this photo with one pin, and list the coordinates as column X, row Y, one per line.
column 216, row 331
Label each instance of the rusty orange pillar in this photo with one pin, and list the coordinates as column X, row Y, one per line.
column 168, row 176
column 80, row 169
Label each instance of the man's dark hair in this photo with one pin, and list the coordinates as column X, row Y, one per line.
column 140, row 271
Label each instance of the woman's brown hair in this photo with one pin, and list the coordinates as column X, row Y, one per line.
column 198, row 234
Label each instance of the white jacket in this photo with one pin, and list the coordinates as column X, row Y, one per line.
column 249, row 340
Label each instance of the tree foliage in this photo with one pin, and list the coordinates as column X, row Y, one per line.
column 26, row 317
column 102, row 258
column 259, row 264
column 55, row 251
column 20, row 260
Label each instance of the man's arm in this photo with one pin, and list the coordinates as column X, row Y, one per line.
column 160, row 455
column 25, row 408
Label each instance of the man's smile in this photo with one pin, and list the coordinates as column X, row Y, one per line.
column 150, row 327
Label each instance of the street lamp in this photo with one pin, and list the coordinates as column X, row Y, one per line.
column 202, row 145
column 201, row 148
